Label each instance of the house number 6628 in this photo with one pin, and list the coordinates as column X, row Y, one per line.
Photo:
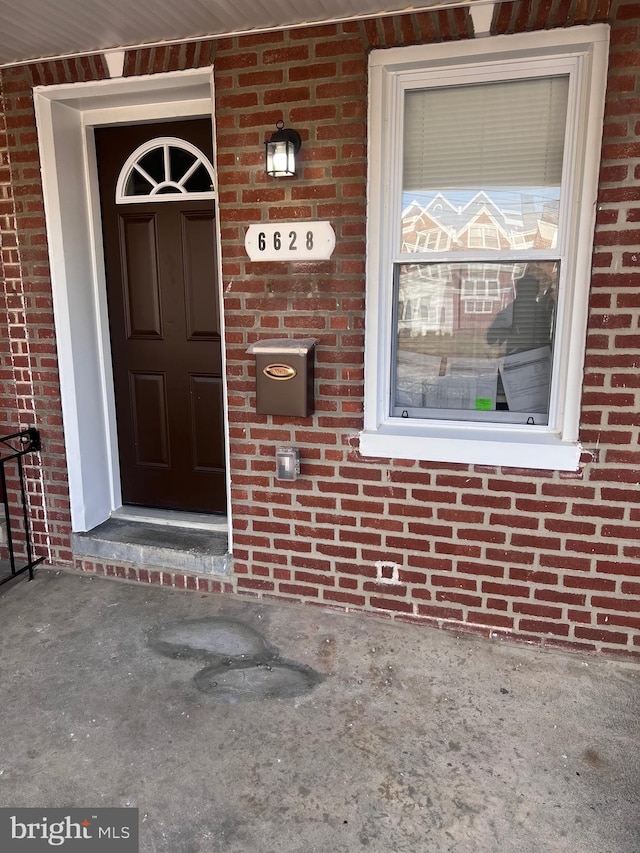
column 277, row 241
column 290, row 241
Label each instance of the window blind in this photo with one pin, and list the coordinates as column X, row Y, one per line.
column 478, row 136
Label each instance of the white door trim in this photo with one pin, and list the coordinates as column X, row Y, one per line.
column 66, row 115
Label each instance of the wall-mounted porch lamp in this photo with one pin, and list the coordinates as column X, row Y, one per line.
column 281, row 151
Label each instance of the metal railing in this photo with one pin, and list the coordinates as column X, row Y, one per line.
column 12, row 449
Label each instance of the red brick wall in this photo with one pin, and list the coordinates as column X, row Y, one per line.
column 611, row 403
column 546, row 557
column 29, row 386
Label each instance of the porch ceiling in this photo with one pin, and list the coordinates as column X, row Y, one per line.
column 35, row 29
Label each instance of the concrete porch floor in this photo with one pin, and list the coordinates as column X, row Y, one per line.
column 416, row 739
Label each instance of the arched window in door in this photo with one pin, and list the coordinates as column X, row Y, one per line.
column 165, row 169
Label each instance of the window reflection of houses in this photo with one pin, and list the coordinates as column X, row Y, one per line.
column 480, row 291
column 422, row 233
column 484, row 290
column 425, row 300
column 443, row 298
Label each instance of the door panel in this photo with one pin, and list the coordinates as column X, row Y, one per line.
column 199, row 252
column 162, row 292
column 206, row 396
column 140, row 275
column 149, row 407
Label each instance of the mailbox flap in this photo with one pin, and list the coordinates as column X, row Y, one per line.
column 283, row 346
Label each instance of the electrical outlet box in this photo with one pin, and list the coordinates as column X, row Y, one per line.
column 287, row 463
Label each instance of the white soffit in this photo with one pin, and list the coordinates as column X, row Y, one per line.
column 37, row 29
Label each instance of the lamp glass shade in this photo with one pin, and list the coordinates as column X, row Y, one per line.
column 281, row 150
column 281, row 158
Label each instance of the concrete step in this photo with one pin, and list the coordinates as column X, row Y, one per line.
column 157, row 546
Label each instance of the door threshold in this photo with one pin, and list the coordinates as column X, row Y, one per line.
column 156, row 545
column 170, row 517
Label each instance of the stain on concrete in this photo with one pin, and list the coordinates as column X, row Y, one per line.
column 594, row 759
column 242, row 665
column 241, row 683
column 211, row 639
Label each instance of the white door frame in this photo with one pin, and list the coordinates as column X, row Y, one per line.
column 66, row 115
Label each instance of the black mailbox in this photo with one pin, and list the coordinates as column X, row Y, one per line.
column 284, row 376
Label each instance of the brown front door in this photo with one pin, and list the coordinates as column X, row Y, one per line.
column 162, row 294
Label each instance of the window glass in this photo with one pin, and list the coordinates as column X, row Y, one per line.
column 180, row 161
column 153, row 164
column 482, row 171
column 482, row 165
column 474, row 340
column 137, row 184
column 199, row 181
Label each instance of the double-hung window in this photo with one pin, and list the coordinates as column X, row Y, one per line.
column 483, row 167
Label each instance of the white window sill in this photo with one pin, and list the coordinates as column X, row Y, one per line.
column 542, row 450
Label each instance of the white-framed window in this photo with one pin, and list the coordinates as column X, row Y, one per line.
column 504, row 132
